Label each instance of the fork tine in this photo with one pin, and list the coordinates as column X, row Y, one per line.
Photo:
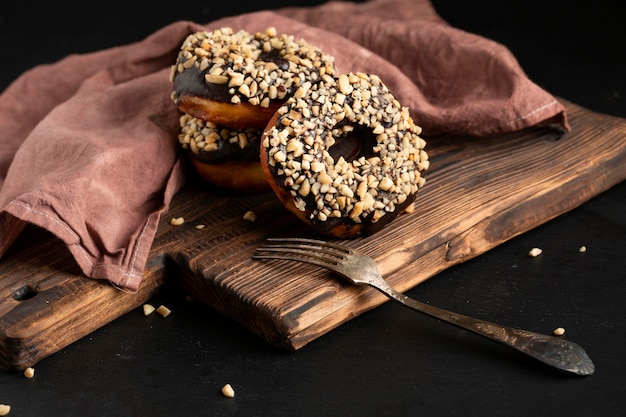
column 316, row 252
column 297, row 250
column 295, row 254
column 293, row 257
column 310, row 243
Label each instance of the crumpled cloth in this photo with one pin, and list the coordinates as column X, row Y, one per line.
column 88, row 146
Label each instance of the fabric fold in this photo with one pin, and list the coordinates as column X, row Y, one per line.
column 88, row 145
column 97, row 164
column 467, row 84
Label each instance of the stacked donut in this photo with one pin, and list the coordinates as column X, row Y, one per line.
column 344, row 156
column 228, row 85
column 338, row 150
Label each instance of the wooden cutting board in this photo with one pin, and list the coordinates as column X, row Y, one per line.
column 479, row 193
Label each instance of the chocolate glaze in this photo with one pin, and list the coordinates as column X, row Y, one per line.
column 274, row 56
column 358, row 143
column 347, row 228
column 230, row 152
column 191, row 81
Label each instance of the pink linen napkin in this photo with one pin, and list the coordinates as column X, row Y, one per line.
column 88, row 145
column 466, row 84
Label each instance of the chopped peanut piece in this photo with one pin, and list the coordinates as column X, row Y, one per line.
column 29, row 372
column 5, row 409
column 148, row 309
column 163, row 311
column 177, row 221
column 582, row 249
column 534, row 252
column 228, row 391
column 559, row 331
column 250, row 216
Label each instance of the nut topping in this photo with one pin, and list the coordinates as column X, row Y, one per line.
column 319, row 115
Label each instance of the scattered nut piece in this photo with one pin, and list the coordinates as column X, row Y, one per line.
column 559, row 331
column 29, row 372
column 228, row 391
column 250, row 216
column 534, row 252
column 410, row 208
column 177, row 221
column 163, row 311
column 582, row 249
column 200, row 226
column 148, row 309
column 5, row 409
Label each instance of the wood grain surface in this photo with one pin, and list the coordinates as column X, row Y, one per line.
column 479, row 194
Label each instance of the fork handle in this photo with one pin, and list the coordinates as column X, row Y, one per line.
column 554, row 351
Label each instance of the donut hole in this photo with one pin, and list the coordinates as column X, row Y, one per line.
column 359, row 142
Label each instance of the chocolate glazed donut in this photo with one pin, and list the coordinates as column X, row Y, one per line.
column 223, row 156
column 344, row 156
column 228, row 85
column 239, row 79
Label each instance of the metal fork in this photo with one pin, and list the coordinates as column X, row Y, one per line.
column 361, row 269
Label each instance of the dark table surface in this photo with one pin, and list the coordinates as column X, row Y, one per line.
column 388, row 361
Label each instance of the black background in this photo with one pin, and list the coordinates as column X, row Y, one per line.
column 388, row 361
